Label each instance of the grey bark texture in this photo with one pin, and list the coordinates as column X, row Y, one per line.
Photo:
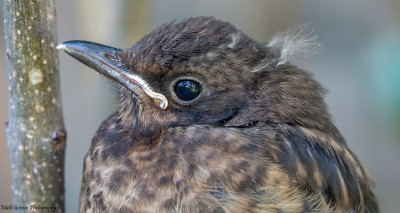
column 35, row 131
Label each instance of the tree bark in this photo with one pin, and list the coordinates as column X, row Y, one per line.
column 35, row 131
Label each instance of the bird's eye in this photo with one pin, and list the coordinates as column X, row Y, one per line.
column 187, row 90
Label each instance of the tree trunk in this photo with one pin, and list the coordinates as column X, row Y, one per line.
column 35, row 132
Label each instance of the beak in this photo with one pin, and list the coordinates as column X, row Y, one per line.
column 104, row 60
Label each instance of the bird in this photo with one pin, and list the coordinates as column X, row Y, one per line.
column 211, row 120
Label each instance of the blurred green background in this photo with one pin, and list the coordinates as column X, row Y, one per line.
column 359, row 65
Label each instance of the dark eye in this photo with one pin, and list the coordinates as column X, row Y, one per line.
column 187, row 90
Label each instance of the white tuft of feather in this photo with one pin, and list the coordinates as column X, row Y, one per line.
column 295, row 44
column 235, row 39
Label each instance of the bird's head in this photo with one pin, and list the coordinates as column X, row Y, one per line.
column 205, row 71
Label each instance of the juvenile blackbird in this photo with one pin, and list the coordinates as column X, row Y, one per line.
column 213, row 121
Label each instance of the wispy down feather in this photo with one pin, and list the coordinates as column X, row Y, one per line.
column 295, row 44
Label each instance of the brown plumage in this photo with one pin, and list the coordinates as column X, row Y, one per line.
column 211, row 121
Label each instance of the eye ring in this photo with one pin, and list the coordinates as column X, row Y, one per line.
column 186, row 90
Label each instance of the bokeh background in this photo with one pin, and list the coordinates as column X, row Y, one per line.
column 359, row 65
